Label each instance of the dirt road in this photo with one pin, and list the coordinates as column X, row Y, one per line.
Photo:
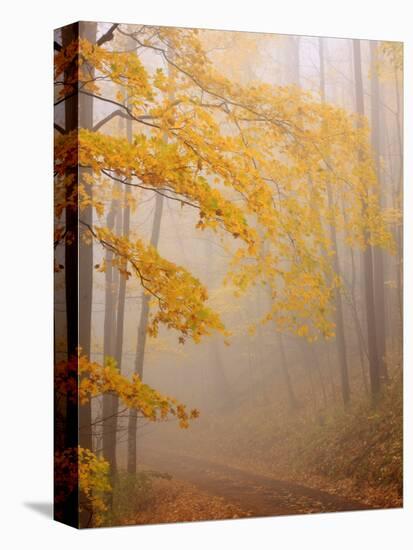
column 256, row 494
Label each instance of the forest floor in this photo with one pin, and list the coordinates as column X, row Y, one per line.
column 276, row 465
column 356, row 454
column 176, row 500
column 202, row 489
column 290, row 465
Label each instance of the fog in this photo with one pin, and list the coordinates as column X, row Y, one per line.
column 262, row 387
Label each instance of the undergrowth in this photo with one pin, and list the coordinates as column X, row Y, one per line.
column 363, row 443
column 131, row 493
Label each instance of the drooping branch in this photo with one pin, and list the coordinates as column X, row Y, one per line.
column 121, row 106
column 283, row 124
column 181, row 297
column 122, row 112
column 112, row 248
column 129, row 115
column 159, row 190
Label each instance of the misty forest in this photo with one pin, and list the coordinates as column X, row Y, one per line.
column 228, row 274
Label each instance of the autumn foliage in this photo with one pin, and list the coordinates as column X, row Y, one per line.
column 272, row 172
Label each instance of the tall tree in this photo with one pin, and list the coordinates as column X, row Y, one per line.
column 293, row 59
column 141, row 341
column 393, row 54
column 109, row 328
column 374, row 358
column 115, row 317
column 121, row 301
column 339, row 315
column 378, row 263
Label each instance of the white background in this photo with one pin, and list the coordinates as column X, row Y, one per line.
column 26, row 274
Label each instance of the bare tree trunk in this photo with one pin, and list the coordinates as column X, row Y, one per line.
column 399, row 203
column 374, row 361
column 352, row 302
column 339, row 317
column 260, row 343
column 307, row 367
column 143, row 321
column 292, row 400
column 108, row 436
column 220, row 378
column 340, row 336
column 379, row 288
column 120, row 319
column 220, row 385
column 114, row 321
column 360, row 350
column 320, row 373
column 331, row 374
column 294, row 42
column 141, row 341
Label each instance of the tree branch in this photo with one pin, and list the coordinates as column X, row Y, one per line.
column 112, row 248
column 58, row 128
column 283, row 124
column 142, row 119
column 157, row 190
column 68, row 96
column 108, row 35
column 105, row 120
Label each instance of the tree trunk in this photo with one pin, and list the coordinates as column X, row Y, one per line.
column 220, row 386
column 114, row 320
column 399, row 203
column 141, row 342
column 117, row 333
column 374, row 362
column 308, row 370
column 294, row 60
column 379, row 288
column 108, row 433
column 292, row 400
column 143, row 321
column 339, row 318
column 319, row 371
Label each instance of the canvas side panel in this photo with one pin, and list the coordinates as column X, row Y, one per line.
column 87, row 32
column 66, row 284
